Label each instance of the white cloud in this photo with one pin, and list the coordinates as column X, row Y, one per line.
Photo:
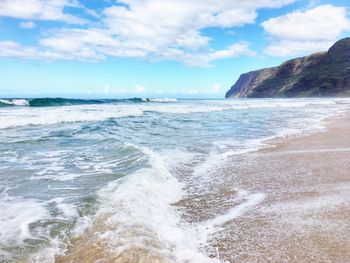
column 27, row 24
column 145, row 25
column 14, row 50
column 10, row 49
column 40, row 10
column 139, row 89
column 148, row 29
column 204, row 59
column 292, row 48
column 312, row 30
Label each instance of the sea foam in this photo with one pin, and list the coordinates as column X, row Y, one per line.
column 141, row 215
column 91, row 113
column 15, row 102
column 16, row 216
column 64, row 114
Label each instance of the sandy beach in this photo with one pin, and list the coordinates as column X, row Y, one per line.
column 305, row 214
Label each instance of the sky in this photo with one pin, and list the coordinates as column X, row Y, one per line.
column 155, row 48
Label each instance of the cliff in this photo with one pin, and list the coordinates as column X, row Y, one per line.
column 325, row 74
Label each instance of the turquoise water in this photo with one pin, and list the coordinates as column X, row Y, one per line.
column 66, row 162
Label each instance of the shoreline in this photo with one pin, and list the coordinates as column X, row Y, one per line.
column 305, row 214
column 259, row 208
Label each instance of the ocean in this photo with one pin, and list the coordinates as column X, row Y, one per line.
column 132, row 179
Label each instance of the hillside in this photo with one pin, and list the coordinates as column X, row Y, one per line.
column 324, row 74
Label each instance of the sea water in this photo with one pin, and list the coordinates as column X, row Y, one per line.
column 118, row 170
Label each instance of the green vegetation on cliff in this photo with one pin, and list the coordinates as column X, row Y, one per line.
column 325, row 74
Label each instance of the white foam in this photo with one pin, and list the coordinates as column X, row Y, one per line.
column 176, row 157
column 52, row 115
column 239, row 210
column 16, row 102
column 185, row 108
column 249, row 200
column 331, row 197
column 222, row 150
column 59, row 176
column 202, row 106
column 47, row 255
column 164, row 100
column 144, row 199
column 16, row 216
column 68, row 211
column 63, row 114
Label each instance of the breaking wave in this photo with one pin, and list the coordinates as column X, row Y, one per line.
column 13, row 102
column 47, row 102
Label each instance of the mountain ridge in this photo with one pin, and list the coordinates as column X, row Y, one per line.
column 322, row 74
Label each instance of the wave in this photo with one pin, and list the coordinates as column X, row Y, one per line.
column 47, row 102
column 41, row 115
column 13, row 102
column 16, row 216
column 206, row 105
column 54, row 115
column 137, row 220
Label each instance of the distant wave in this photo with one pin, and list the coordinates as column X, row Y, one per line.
column 163, row 100
column 13, row 102
column 47, row 102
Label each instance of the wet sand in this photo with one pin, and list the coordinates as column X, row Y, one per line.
column 305, row 215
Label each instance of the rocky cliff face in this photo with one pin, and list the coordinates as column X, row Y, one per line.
column 320, row 74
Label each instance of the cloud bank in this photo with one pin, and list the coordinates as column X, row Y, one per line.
column 158, row 30
column 40, row 10
column 148, row 29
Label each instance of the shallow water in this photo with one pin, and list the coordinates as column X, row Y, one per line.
column 126, row 180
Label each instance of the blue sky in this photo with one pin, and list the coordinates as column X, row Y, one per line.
column 155, row 48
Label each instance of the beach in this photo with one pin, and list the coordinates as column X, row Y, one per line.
column 189, row 181
column 305, row 213
column 295, row 206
